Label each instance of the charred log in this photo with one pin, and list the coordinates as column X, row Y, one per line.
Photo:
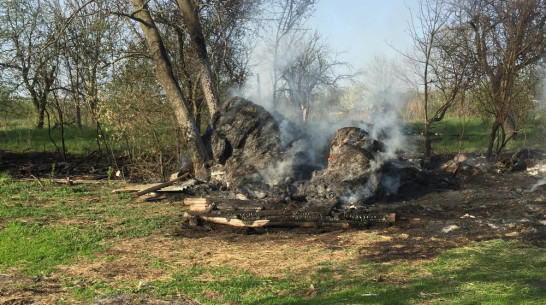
column 270, row 214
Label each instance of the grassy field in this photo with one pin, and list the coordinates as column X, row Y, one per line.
column 75, row 244
column 473, row 135
column 20, row 136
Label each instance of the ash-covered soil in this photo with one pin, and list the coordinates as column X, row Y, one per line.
column 509, row 205
column 458, row 205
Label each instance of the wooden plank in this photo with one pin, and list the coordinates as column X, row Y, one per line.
column 291, row 221
column 236, row 222
column 391, row 218
column 196, row 200
column 134, row 188
column 201, row 208
column 140, row 187
column 239, row 205
column 162, row 185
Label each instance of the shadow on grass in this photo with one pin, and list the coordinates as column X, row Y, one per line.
column 492, row 272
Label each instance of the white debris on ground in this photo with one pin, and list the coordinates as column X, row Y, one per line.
column 450, row 228
column 539, row 170
column 480, row 162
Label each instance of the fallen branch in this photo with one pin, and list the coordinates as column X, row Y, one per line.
column 67, row 181
column 37, row 179
column 141, row 187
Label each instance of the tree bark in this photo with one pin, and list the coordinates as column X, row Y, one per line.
column 492, row 137
column 428, row 140
column 190, row 15
column 40, row 110
column 165, row 76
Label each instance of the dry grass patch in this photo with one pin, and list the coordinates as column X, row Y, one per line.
column 279, row 256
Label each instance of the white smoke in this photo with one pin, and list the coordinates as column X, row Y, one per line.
column 539, row 183
column 373, row 105
column 366, row 191
column 297, row 153
column 382, row 119
column 538, row 170
column 283, row 169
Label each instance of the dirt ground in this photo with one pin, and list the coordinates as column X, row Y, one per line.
column 455, row 209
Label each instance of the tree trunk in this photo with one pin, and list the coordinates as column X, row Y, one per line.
column 428, row 141
column 39, row 103
column 165, row 76
column 79, row 117
column 492, row 137
column 40, row 109
column 190, row 15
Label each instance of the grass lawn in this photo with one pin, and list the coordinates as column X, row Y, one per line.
column 475, row 135
column 29, row 139
column 74, row 244
column 22, row 137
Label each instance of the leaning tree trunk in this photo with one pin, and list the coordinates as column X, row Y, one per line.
column 165, row 76
column 492, row 138
column 191, row 19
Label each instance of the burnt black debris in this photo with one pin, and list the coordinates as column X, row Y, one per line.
column 259, row 155
column 358, row 174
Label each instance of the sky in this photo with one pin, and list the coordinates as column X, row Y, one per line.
column 358, row 29
column 363, row 28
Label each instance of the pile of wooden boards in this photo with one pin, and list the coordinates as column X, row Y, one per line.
column 262, row 213
column 296, row 212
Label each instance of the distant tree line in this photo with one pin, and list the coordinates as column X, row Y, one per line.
column 492, row 52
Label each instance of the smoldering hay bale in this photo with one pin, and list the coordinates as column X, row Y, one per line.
column 357, row 172
column 257, row 151
column 249, row 147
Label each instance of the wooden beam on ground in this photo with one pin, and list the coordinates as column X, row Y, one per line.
column 234, row 222
column 162, row 185
column 288, row 220
column 197, row 200
column 67, row 180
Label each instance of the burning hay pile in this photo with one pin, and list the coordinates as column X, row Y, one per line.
column 266, row 173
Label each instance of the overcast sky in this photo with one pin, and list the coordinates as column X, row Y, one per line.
column 364, row 28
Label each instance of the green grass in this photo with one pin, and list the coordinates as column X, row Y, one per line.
column 45, row 227
column 446, row 135
column 38, row 248
column 492, row 272
column 42, row 229
column 30, row 139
